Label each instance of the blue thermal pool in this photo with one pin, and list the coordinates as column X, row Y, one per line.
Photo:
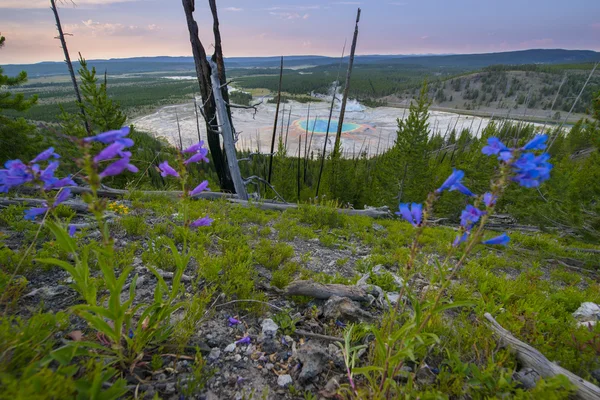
column 321, row 126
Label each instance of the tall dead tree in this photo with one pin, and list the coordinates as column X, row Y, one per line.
column 333, row 98
column 275, row 123
column 347, row 86
column 226, row 130
column 208, row 108
column 63, row 43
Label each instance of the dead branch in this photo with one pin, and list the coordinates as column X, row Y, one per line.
column 532, row 358
column 300, row 332
column 380, row 212
column 258, row 178
column 325, row 291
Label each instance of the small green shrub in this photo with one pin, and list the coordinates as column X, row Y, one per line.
column 272, row 254
column 134, row 225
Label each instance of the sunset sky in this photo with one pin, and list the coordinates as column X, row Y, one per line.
column 128, row 28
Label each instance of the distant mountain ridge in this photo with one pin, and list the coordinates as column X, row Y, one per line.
column 119, row 66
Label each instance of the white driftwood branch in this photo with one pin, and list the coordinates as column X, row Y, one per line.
column 532, row 358
column 325, row 291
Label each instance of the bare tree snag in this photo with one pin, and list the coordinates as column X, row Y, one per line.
column 275, row 123
column 63, row 43
column 333, row 98
column 347, row 86
column 203, row 72
column 532, row 358
column 227, row 134
column 325, row 291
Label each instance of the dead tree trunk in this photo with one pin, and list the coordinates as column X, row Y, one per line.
column 532, row 358
column 347, row 87
column 334, row 95
column 227, row 134
column 275, row 123
column 63, row 43
column 203, row 72
column 197, row 120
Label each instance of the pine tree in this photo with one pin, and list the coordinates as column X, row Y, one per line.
column 412, row 149
column 103, row 113
column 15, row 133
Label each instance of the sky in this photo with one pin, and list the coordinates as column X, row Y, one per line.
column 129, row 28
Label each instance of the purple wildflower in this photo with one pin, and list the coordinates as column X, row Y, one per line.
column 462, row 189
column 494, row 147
column 244, row 340
column 59, row 183
column 531, row 170
column 72, row 230
column 200, row 156
column 460, row 238
column 204, row 221
column 14, row 175
column 166, row 170
column 340, row 324
column 414, row 215
column 114, row 150
column 489, row 199
column 34, row 212
column 118, row 167
column 47, row 175
column 501, row 240
column 200, row 188
column 130, row 334
column 232, row 321
column 470, row 216
column 194, row 148
column 109, row 137
column 455, row 177
column 537, row 143
column 45, row 155
column 62, row 196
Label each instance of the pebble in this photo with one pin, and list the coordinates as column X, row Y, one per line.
column 230, row 348
column 215, row 353
column 284, row 380
column 269, row 327
column 237, row 358
column 269, row 366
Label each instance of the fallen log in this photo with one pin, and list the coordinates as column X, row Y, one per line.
column 531, row 358
column 325, row 291
column 375, row 212
column 77, row 206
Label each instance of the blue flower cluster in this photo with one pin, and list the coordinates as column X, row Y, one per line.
column 199, row 153
column 17, row 173
column 117, row 143
column 528, row 170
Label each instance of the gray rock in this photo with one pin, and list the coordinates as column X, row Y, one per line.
column 214, row 354
column 270, row 346
column 528, row 377
column 237, row 358
column 170, row 388
column 314, row 358
column 269, row 366
column 269, row 328
column 342, row 308
column 230, row 348
column 588, row 311
column 596, row 374
column 284, row 380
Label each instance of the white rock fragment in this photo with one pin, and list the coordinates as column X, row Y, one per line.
column 284, row 380
column 230, row 348
column 269, row 327
column 588, row 311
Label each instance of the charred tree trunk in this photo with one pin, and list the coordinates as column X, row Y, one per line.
column 347, row 86
column 63, row 43
column 203, row 72
column 275, row 123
